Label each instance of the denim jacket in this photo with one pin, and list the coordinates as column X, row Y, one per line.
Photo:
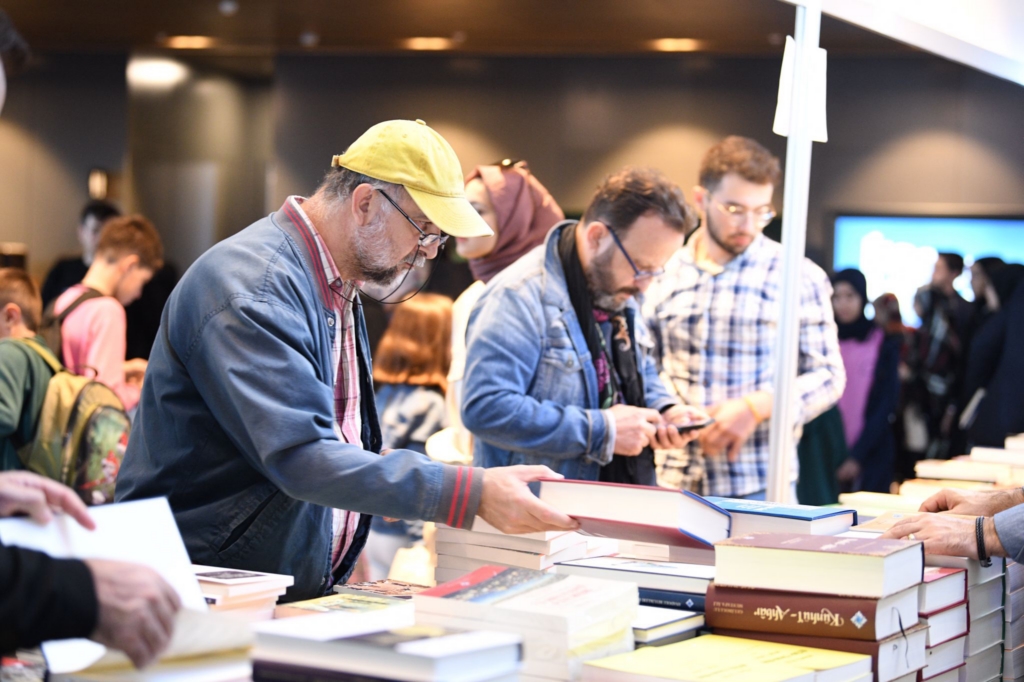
column 235, row 422
column 530, row 391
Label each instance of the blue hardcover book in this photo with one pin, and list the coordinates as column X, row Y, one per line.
column 751, row 516
column 685, row 601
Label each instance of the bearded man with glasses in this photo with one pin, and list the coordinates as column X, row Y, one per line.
column 257, row 418
column 714, row 317
column 558, row 369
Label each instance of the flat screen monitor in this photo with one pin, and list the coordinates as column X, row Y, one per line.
column 897, row 253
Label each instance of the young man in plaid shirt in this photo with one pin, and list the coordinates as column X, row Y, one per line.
column 714, row 316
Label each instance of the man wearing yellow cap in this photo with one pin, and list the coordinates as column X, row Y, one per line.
column 257, row 418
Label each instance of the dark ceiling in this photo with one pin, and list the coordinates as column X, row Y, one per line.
column 262, row 28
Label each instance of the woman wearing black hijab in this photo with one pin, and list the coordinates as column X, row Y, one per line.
column 994, row 365
column 868, row 405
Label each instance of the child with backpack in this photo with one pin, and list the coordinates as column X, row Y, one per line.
column 66, row 427
column 24, row 374
column 86, row 324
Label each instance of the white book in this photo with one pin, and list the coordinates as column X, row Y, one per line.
column 1013, row 458
column 677, row 555
column 985, row 631
column 942, row 587
column 948, row 676
column 944, row 657
column 481, row 526
column 511, row 557
column 653, row 623
column 1013, row 634
column 516, row 542
column 976, row 573
column 1013, row 607
column 232, row 582
column 1014, row 576
column 412, row 654
column 946, row 625
column 968, row 470
column 1013, row 663
column 1014, row 442
column 985, row 598
column 656, row 575
column 982, row 666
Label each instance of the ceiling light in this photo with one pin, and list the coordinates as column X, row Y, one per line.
column 228, row 8
column 190, row 42
column 428, row 43
column 676, row 44
column 147, row 72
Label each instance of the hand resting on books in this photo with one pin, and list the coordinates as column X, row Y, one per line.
column 508, row 504
column 947, row 534
column 973, row 502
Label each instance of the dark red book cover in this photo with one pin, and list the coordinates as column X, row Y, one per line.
column 793, row 613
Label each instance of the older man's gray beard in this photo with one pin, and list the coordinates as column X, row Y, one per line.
column 374, row 264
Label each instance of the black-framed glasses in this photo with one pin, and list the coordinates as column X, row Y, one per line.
column 426, row 238
column 638, row 274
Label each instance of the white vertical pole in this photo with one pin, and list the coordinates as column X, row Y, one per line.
column 794, row 238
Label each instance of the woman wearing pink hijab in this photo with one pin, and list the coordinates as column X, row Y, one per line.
column 521, row 211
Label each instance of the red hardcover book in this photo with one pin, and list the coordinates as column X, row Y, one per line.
column 941, row 588
column 800, row 613
column 639, row 513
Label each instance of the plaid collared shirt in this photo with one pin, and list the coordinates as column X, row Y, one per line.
column 715, row 337
column 347, row 420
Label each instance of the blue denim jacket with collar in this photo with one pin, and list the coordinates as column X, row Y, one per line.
column 530, row 390
column 235, row 421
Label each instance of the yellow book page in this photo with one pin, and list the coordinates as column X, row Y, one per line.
column 730, row 659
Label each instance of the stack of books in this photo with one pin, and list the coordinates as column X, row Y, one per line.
column 563, row 619
column 344, row 603
column 768, row 517
column 1013, row 627
column 249, row 595
column 664, row 584
column 971, row 468
column 942, row 605
column 462, row 551
column 326, row 650
column 983, row 646
column 856, row 595
column 714, row 658
column 679, row 555
column 655, row 626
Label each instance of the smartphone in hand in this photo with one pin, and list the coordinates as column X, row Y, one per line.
column 684, row 428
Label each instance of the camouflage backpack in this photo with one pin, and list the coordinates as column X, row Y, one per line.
column 81, row 435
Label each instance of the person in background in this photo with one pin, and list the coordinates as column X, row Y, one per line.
column 68, row 272
column 24, row 375
column 714, row 318
column 949, row 266
column 520, row 211
column 868, row 404
column 557, row 366
column 93, row 336
column 890, row 318
column 410, row 369
column 991, row 384
column 982, row 271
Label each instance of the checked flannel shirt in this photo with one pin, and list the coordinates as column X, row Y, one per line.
column 714, row 337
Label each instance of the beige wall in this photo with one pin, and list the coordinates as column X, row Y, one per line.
column 63, row 117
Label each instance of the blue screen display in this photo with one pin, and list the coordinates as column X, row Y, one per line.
column 897, row 254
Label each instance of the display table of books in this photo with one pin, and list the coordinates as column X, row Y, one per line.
column 659, row 586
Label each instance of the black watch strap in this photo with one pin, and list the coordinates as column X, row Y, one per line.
column 979, row 534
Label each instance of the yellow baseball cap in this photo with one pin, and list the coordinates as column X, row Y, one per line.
column 414, row 155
